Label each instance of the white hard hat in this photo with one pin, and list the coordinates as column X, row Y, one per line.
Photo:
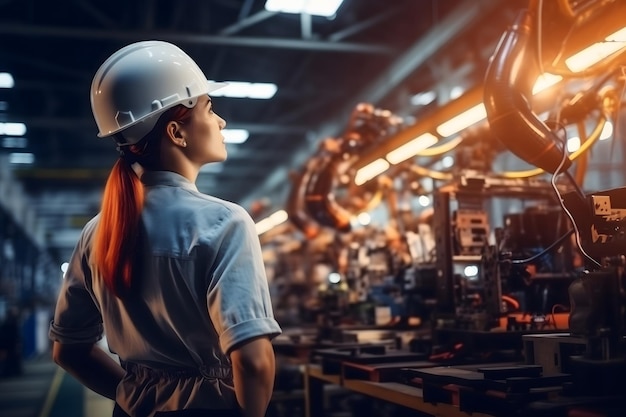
column 136, row 84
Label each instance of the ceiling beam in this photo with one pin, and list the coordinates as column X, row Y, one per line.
column 37, row 31
column 246, row 22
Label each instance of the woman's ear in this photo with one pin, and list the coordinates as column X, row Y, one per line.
column 174, row 132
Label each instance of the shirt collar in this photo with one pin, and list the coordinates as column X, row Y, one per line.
column 169, row 178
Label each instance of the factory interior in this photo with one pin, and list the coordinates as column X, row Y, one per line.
column 438, row 188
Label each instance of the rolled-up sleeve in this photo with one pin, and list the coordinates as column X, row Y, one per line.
column 238, row 297
column 76, row 316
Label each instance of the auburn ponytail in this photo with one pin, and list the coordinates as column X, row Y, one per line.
column 116, row 242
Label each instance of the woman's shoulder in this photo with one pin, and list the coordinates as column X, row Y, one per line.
column 218, row 205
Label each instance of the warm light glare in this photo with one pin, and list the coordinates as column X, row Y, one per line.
column 12, row 129
column 619, row 36
column 456, row 92
column 447, row 161
column 326, row 8
column 235, row 135
column 607, row 131
column 411, row 148
column 423, row 200
column 545, row 81
column 364, row 219
column 470, row 271
column 6, row 80
column 573, row 144
column 243, row 89
column 371, row 170
column 597, row 52
column 463, row 120
column 272, row 221
column 334, row 278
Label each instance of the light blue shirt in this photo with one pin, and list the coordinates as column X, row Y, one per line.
column 204, row 290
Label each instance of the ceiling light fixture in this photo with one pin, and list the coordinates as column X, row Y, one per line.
column 272, row 221
column 14, row 142
column 12, row 129
column 411, row 148
column 244, row 89
column 21, row 158
column 326, row 8
column 370, row 170
column 463, row 120
column 6, row 80
column 597, row 52
column 235, row 136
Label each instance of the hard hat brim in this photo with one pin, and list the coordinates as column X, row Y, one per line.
column 211, row 87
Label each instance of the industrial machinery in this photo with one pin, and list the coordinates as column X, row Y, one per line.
column 323, row 181
column 578, row 370
column 597, row 295
column 542, row 286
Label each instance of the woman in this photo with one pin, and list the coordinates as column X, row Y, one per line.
column 173, row 278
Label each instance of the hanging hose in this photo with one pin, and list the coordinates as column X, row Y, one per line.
column 509, row 80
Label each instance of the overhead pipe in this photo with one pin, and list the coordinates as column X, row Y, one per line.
column 509, row 80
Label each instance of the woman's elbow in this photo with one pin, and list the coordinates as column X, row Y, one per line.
column 67, row 356
column 254, row 357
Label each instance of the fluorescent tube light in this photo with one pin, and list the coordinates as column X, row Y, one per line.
column 21, row 158
column 370, row 170
column 411, row 148
column 463, row 120
column 597, row 52
column 235, row 135
column 14, row 142
column 12, row 129
column 545, row 81
column 244, row 89
column 326, row 8
column 272, row 221
column 6, row 80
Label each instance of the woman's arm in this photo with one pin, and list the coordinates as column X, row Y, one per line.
column 92, row 366
column 254, row 368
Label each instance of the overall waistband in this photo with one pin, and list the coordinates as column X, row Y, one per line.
column 207, row 372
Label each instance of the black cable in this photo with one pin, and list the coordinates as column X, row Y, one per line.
column 567, row 212
column 544, row 251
